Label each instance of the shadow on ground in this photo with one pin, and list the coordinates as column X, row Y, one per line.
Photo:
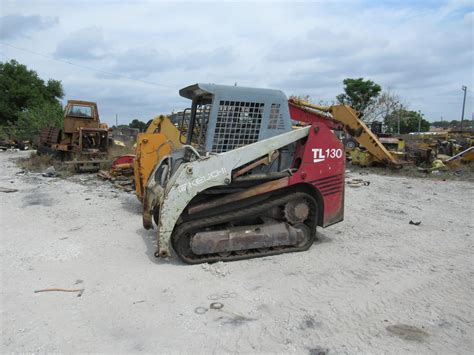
column 322, row 238
column 132, row 205
column 149, row 239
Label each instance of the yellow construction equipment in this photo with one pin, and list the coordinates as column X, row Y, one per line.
column 465, row 156
column 159, row 139
column 84, row 139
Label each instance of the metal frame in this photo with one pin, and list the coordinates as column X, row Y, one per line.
column 83, row 130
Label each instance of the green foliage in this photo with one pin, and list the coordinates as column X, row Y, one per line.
column 442, row 124
column 409, row 121
column 138, row 124
column 31, row 121
column 54, row 90
column 27, row 103
column 359, row 94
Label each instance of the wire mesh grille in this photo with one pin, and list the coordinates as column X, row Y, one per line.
column 238, row 124
column 276, row 118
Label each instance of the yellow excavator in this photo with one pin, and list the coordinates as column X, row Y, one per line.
column 159, row 139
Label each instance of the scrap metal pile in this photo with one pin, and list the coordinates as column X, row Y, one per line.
column 121, row 173
column 426, row 151
column 434, row 151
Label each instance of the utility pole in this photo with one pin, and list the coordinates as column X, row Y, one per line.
column 464, row 88
column 398, row 128
column 419, row 122
column 116, row 120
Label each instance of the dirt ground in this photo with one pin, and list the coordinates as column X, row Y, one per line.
column 372, row 284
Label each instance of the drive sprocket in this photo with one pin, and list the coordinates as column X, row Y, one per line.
column 296, row 211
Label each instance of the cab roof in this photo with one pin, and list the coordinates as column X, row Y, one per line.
column 202, row 89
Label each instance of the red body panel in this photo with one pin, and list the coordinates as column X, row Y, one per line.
column 321, row 160
column 124, row 159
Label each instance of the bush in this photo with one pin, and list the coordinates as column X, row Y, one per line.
column 31, row 121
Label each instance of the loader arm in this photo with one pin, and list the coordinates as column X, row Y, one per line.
column 345, row 117
column 193, row 177
column 160, row 138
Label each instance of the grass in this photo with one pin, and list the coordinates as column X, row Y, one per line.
column 38, row 163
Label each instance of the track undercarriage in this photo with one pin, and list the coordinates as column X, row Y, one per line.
column 280, row 223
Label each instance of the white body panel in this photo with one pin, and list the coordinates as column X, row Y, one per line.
column 214, row 170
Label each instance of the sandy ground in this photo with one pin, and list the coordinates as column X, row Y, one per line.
column 373, row 284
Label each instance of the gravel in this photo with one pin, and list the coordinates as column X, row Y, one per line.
column 372, row 284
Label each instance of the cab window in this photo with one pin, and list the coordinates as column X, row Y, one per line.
column 80, row 111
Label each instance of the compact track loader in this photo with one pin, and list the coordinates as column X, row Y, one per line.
column 244, row 184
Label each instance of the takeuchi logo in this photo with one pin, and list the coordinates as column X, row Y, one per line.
column 202, row 179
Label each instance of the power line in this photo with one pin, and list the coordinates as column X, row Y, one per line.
column 86, row 67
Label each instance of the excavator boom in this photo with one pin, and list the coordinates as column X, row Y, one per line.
column 343, row 117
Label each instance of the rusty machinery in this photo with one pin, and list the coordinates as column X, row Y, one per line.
column 83, row 140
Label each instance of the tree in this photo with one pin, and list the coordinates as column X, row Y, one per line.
column 382, row 106
column 441, row 124
column 409, row 121
column 31, row 121
column 27, row 103
column 138, row 124
column 54, row 90
column 359, row 94
column 22, row 89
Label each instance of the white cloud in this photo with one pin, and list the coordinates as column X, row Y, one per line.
column 17, row 25
column 86, row 43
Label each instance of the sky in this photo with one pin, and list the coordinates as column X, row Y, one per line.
column 132, row 57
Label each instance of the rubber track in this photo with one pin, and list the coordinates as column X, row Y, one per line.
column 251, row 211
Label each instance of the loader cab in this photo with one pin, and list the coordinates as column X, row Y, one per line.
column 80, row 114
column 223, row 118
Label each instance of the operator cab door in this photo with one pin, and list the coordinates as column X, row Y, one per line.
column 194, row 123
